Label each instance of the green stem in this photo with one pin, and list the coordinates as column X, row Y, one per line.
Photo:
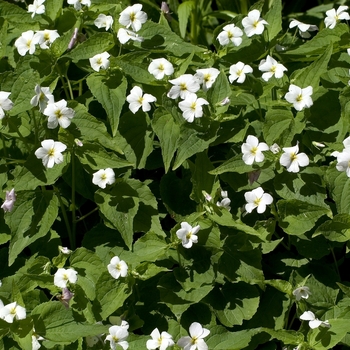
column 74, row 221
column 194, row 18
column 65, row 218
column 62, row 81
column 244, row 7
column 69, row 87
column 86, row 215
column 335, row 262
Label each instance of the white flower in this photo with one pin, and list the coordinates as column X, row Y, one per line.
column 313, row 321
column 192, row 107
column 343, row 159
column 117, row 268
column 271, row 67
column 195, row 340
column 292, row 160
column 37, row 7
column 117, row 336
column 252, row 150
column 206, row 77
column 46, row 37
column 137, row 99
column 66, row 297
column 304, row 28
column 230, row 33
column 103, row 21
column 5, row 103
column 257, row 199
column 63, row 276
column 43, row 97
column 58, row 113
column 300, row 98
column 160, row 67
column 100, row 61
column 133, row 16
column 103, row 177
column 35, row 342
column 77, row 3
column 161, row 341
column 238, row 72
column 275, row 148
column 335, row 16
column 11, row 311
column 64, row 250
column 9, row 201
column 74, row 39
column 187, row 234
column 184, row 86
column 26, row 42
column 253, row 24
column 124, row 35
column 225, row 202
column 301, row 292
column 50, row 152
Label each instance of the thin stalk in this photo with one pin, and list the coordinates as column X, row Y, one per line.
column 335, row 262
column 86, row 215
column 74, row 221
column 194, row 19
column 80, row 88
column 62, row 81
column 65, row 218
column 244, row 7
column 69, row 87
column 291, row 322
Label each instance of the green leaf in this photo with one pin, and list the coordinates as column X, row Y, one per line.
column 95, row 44
column 274, row 19
column 56, row 323
column 53, row 8
column 286, row 337
column 150, row 247
column 168, row 133
column 298, row 217
column 110, row 294
column 219, row 91
column 337, row 229
column 184, row 11
column 234, row 164
column 111, row 93
column 34, row 215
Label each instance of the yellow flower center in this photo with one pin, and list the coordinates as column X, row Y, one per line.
column 257, row 201
column 229, row 35
column 194, row 340
column 183, row 86
column 207, row 77
column 132, row 16
column 239, row 72
column 189, row 235
column 193, row 106
column 103, row 176
column 118, row 267
column 273, row 69
column 99, row 61
column 255, row 24
column 161, row 67
column 47, row 36
column 58, row 114
column 293, row 157
column 254, row 150
column 51, row 153
column 29, row 43
column 13, row 311
column 299, row 98
column 115, row 338
column 140, row 100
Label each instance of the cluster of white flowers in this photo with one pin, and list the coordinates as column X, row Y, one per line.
column 253, row 24
column 12, row 311
column 132, row 17
column 28, row 40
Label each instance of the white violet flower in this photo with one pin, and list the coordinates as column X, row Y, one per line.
column 9, row 201
column 63, row 276
column 271, row 67
column 313, row 321
column 184, row 86
column 103, row 177
column 117, row 336
column 343, row 159
column 160, row 67
column 225, row 202
column 100, row 61
column 275, row 148
column 42, row 97
column 161, row 341
column 187, row 234
column 238, row 72
column 196, row 338
column 253, row 24
column 46, row 37
column 133, row 17
column 12, row 311
column 252, row 150
column 292, row 160
column 58, row 113
column 124, row 35
column 333, row 16
column 103, row 21
column 206, row 77
column 50, row 152
column 304, row 28
column 257, row 199
column 192, row 107
column 35, row 341
column 301, row 292
column 26, row 42
column 137, row 99
column 5, row 103
column 230, row 33
column 37, row 7
column 77, row 3
column 117, row 268
column 300, row 98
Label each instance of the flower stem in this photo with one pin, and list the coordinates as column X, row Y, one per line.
column 86, row 215
column 335, row 262
column 74, row 221
column 62, row 81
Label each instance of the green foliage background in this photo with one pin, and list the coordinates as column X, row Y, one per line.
column 238, row 280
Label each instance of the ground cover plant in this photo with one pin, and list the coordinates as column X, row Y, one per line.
column 174, row 175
